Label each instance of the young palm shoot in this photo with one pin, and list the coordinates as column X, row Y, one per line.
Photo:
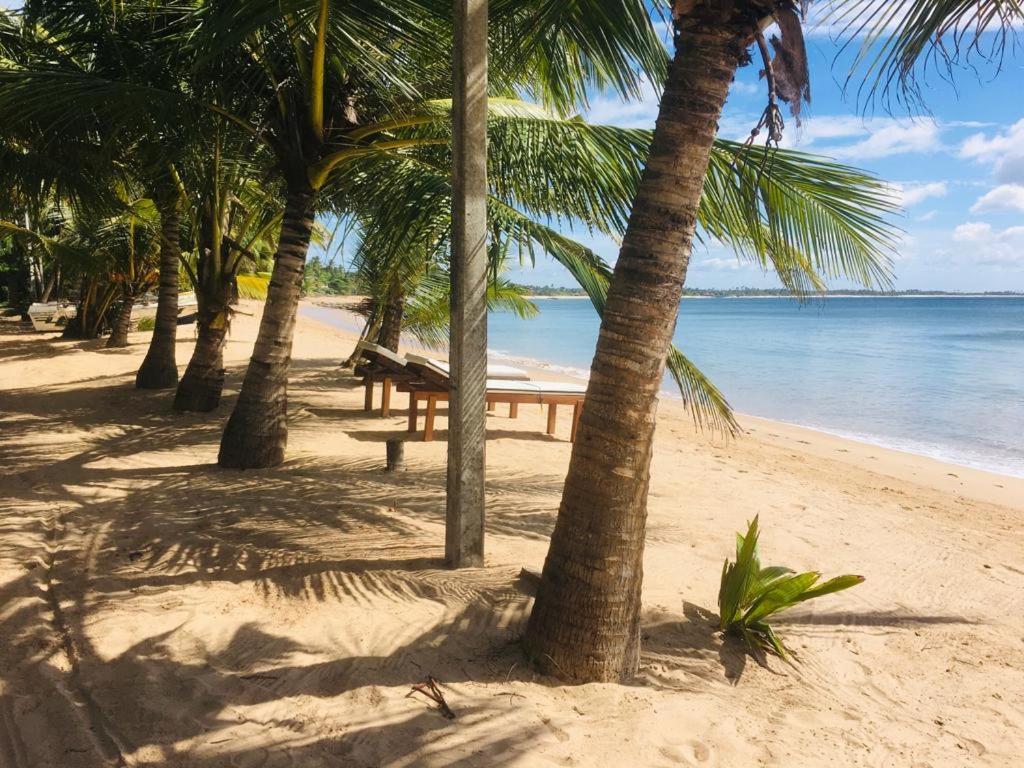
column 750, row 595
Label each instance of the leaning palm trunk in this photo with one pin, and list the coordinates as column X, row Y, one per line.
column 257, row 432
column 585, row 625
column 392, row 312
column 201, row 386
column 51, row 285
column 370, row 332
column 122, row 323
column 160, row 370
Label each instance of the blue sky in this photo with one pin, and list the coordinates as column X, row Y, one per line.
column 960, row 171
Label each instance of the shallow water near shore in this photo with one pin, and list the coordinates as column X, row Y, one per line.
column 937, row 376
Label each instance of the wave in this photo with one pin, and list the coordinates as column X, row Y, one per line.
column 958, row 456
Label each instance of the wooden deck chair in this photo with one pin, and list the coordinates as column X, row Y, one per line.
column 381, row 365
column 432, row 385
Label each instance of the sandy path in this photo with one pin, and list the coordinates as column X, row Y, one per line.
column 158, row 611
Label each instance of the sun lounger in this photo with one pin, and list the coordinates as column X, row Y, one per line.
column 382, row 365
column 432, row 385
column 388, row 368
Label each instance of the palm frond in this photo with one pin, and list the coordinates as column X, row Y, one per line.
column 572, row 49
column 901, row 39
column 808, row 218
column 253, row 286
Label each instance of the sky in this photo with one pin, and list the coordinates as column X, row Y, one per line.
column 959, row 171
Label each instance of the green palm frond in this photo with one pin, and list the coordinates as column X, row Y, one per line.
column 428, row 306
column 808, row 218
column 572, row 49
column 901, row 38
column 253, row 286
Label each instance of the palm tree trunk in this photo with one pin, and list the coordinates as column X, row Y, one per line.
column 391, row 325
column 370, row 332
column 257, row 432
column 160, row 370
column 201, row 386
column 122, row 324
column 585, row 624
column 21, row 283
column 51, row 284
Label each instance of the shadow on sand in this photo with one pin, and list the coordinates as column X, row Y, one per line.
column 117, row 522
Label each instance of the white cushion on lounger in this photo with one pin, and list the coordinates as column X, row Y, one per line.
column 377, row 349
column 560, row 388
column 493, row 371
column 508, row 372
column 504, row 385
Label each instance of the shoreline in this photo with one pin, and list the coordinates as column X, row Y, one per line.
column 543, row 368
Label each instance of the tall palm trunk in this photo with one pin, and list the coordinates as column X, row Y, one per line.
column 122, row 323
column 392, row 313
column 51, row 284
column 21, row 284
column 370, row 332
column 257, row 432
column 160, row 369
column 585, row 624
column 201, row 386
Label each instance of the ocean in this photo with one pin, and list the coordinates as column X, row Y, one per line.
column 941, row 377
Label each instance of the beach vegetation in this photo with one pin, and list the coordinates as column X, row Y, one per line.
column 751, row 594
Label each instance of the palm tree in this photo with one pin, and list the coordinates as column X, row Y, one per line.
column 328, row 82
column 585, row 624
column 159, row 369
column 236, row 216
column 130, row 244
column 86, row 42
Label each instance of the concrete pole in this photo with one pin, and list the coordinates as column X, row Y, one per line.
column 467, row 407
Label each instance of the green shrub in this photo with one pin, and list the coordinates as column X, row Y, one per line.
column 750, row 595
column 146, row 324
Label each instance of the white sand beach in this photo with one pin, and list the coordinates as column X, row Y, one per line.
column 159, row 611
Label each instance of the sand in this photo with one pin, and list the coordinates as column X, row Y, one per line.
column 158, row 611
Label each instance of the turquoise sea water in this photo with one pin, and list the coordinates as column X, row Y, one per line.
column 943, row 377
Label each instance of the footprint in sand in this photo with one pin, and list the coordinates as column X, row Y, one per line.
column 695, row 750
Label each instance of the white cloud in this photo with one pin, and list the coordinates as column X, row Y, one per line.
column 719, row 264
column 850, row 137
column 981, row 147
column 1004, row 197
column 992, row 247
column 1004, row 151
column 972, row 232
column 748, row 89
column 911, row 193
column 839, row 19
column 894, row 139
column 927, row 216
column 612, row 110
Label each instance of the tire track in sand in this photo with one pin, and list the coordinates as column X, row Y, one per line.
column 97, row 725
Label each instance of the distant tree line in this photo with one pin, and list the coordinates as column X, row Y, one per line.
column 556, row 290
column 328, row 279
